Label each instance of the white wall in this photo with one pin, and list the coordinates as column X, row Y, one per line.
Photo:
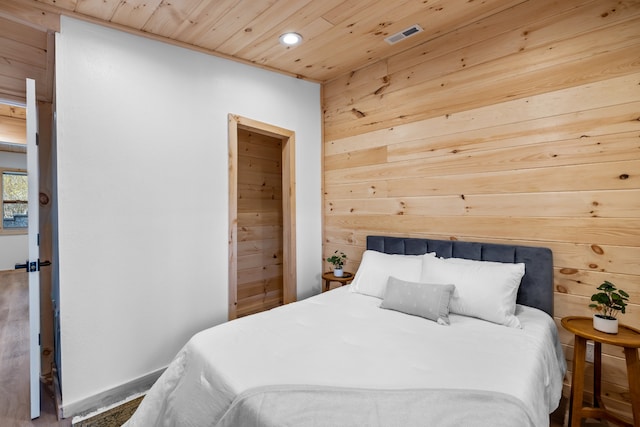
column 14, row 248
column 143, row 195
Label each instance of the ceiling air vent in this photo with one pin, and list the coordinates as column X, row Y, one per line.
column 414, row 29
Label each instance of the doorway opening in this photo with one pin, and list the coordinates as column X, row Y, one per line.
column 262, row 232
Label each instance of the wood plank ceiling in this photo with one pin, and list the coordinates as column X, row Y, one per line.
column 340, row 36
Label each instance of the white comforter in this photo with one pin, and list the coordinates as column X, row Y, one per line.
column 343, row 339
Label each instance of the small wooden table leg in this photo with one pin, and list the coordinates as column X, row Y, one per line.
column 597, row 375
column 327, row 285
column 633, row 373
column 577, row 381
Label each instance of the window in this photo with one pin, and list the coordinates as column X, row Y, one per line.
column 15, row 203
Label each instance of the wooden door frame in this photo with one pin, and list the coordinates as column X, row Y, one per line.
column 289, row 285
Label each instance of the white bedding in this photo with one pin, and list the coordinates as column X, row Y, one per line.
column 343, row 339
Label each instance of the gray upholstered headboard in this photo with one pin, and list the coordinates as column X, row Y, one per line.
column 536, row 288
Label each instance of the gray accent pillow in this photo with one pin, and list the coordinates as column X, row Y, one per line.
column 426, row 300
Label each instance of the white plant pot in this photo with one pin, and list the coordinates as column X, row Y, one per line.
column 338, row 272
column 609, row 326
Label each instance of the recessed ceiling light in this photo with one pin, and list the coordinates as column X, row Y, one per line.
column 290, row 39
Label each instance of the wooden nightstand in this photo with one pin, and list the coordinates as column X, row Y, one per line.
column 330, row 277
column 628, row 338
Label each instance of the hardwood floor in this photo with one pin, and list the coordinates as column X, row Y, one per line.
column 14, row 358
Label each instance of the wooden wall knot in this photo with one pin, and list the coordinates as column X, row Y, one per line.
column 597, row 249
column 359, row 114
column 386, row 81
column 561, row 289
column 568, row 271
column 43, row 198
column 380, row 89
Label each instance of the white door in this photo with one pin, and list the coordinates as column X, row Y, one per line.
column 33, row 264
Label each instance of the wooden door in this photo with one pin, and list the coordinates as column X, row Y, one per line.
column 259, row 222
column 262, row 272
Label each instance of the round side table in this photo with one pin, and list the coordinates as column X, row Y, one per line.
column 330, row 277
column 628, row 338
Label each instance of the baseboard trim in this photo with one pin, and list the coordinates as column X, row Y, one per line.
column 107, row 399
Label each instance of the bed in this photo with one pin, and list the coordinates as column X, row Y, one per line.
column 373, row 354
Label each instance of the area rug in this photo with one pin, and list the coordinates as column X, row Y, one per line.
column 114, row 417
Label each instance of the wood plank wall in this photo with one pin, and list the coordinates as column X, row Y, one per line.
column 260, row 264
column 523, row 128
column 26, row 52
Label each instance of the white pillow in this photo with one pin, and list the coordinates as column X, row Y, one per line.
column 484, row 289
column 376, row 267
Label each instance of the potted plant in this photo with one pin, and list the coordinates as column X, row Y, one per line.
column 337, row 260
column 608, row 303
